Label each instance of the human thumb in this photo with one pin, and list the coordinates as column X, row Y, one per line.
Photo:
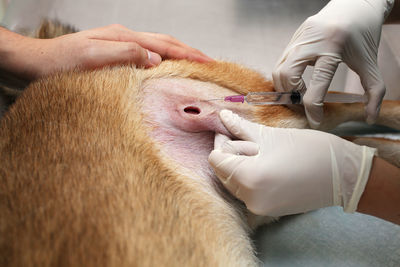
column 240, row 127
column 112, row 53
column 142, row 57
column 153, row 59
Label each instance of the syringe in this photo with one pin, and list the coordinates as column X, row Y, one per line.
column 285, row 98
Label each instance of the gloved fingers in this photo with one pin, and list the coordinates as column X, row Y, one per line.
column 219, row 140
column 225, row 165
column 287, row 75
column 313, row 100
column 373, row 83
column 239, row 127
column 245, row 148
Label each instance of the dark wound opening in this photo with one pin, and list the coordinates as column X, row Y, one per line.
column 192, row 110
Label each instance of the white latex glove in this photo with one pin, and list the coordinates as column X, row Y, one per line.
column 344, row 30
column 278, row 171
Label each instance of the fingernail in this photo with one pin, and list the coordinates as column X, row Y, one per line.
column 154, row 58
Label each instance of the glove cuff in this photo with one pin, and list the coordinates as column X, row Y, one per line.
column 368, row 154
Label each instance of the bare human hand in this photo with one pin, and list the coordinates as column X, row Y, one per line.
column 115, row 44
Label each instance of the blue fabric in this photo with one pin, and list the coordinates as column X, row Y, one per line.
column 329, row 237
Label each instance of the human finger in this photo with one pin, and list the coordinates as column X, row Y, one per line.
column 102, row 53
column 172, row 40
column 287, row 75
column 225, row 165
column 162, row 44
column 219, row 140
column 372, row 82
column 172, row 51
column 245, row 148
column 313, row 100
column 239, row 127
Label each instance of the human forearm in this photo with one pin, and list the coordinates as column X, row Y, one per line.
column 381, row 197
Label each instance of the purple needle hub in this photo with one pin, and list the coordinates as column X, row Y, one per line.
column 234, row 98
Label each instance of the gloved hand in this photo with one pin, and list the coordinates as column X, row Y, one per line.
column 343, row 30
column 278, row 171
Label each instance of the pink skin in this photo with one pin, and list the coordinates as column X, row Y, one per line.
column 194, row 116
column 184, row 123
